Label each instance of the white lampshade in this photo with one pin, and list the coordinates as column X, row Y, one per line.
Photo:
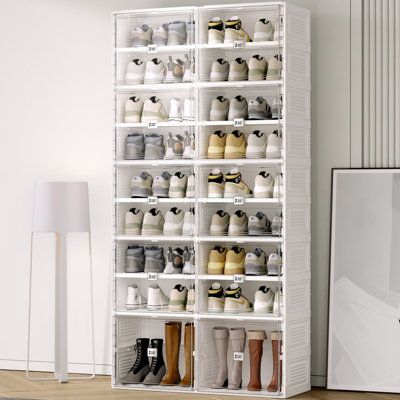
column 61, row 207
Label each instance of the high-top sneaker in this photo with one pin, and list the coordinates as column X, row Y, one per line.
column 234, row 31
column 216, row 183
column 140, row 367
column 235, row 186
column 157, row 365
column 216, row 31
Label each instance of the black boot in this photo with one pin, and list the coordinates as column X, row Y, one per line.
column 140, row 368
column 157, row 366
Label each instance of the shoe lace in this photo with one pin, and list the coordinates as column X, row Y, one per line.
column 138, row 351
column 153, row 364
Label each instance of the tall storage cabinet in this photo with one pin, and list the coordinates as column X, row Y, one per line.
column 289, row 92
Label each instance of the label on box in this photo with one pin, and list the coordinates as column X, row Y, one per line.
column 238, row 356
column 238, row 122
column 152, row 200
column 152, row 124
column 238, row 278
column 238, row 200
column 152, row 276
column 238, row 44
column 152, row 48
column 151, row 352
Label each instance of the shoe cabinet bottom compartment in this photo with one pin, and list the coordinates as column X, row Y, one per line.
column 154, row 353
column 251, row 367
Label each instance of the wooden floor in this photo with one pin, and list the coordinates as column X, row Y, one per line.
column 14, row 385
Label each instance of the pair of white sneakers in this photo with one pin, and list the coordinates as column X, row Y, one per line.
column 181, row 109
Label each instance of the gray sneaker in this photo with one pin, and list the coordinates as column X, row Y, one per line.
column 255, row 262
column 259, row 109
column 154, row 147
column 153, row 222
column 190, row 28
column 154, row 259
column 134, row 146
column 134, row 259
column 238, row 70
column 157, row 365
column 237, row 108
column 161, row 184
column 259, row 224
column 160, row 35
column 174, row 261
column 177, row 33
column 141, row 35
column 141, row 185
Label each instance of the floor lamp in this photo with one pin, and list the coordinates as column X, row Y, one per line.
column 61, row 208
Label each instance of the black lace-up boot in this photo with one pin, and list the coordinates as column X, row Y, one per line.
column 140, row 367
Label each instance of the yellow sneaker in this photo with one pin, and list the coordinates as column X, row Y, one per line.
column 235, row 146
column 216, row 145
column 234, row 263
column 234, row 31
column 216, row 261
column 235, row 186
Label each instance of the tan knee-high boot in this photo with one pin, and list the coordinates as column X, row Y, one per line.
column 276, row 380
column 188, row 379
column 256, row 339
column 172, row 345
column 237, row 337
column 221, row 345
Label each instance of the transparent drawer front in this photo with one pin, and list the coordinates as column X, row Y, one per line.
column 213, row 354
column 127, row 22
column 248, row 17
column 148, row 340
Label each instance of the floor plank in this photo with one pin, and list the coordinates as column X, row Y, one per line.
column 13, row 384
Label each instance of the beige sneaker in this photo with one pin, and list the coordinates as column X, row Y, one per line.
column 234, row 31
column 274, row 68
column 216, row 145
column 235, row 186
column 235, row 302
column 178, row 298
column 190, row 299
column 219, row 223
column 234, row 263
column 216, row 261
column 238, row 223
column 235, row 145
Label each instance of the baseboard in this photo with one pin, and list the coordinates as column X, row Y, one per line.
column 45, row 366
column 318, row 381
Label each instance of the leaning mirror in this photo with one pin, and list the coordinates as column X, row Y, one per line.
column 364, row 304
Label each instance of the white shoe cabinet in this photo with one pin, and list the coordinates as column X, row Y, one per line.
column 292, row 42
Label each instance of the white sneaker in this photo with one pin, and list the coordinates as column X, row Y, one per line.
column 174, row 147
column 189, row 145
column 177, row 186
column 189, row 68
column 276, row 226
column 190, row 189
column 178, row 298
column 219, row 223
column 133, row 222
column 219, row 70
column 264, row 300
column 135, row 71
column 191, row 299
column 219, row 109
column 274, row 144
column 155, row 71
column 216, row 32
column 188, row 223
column 189, row 263
column 256, row 145
column 175, row 112
column 238, row 108
column 173, row 222
column 153, row 223
column 274, row 68
column 156, row 299
column 188, row 110
column 216, row 184
column 134, row 299
column 278, row 187
column 257, row 68
column 174, row 70
column 133, row 109
column 278, row 302
column 153, row 110
column 263, row 185
column 274, row 264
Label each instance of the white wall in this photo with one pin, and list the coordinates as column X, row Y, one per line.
column 55, row 113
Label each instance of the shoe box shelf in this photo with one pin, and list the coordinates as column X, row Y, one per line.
column 291, row 318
